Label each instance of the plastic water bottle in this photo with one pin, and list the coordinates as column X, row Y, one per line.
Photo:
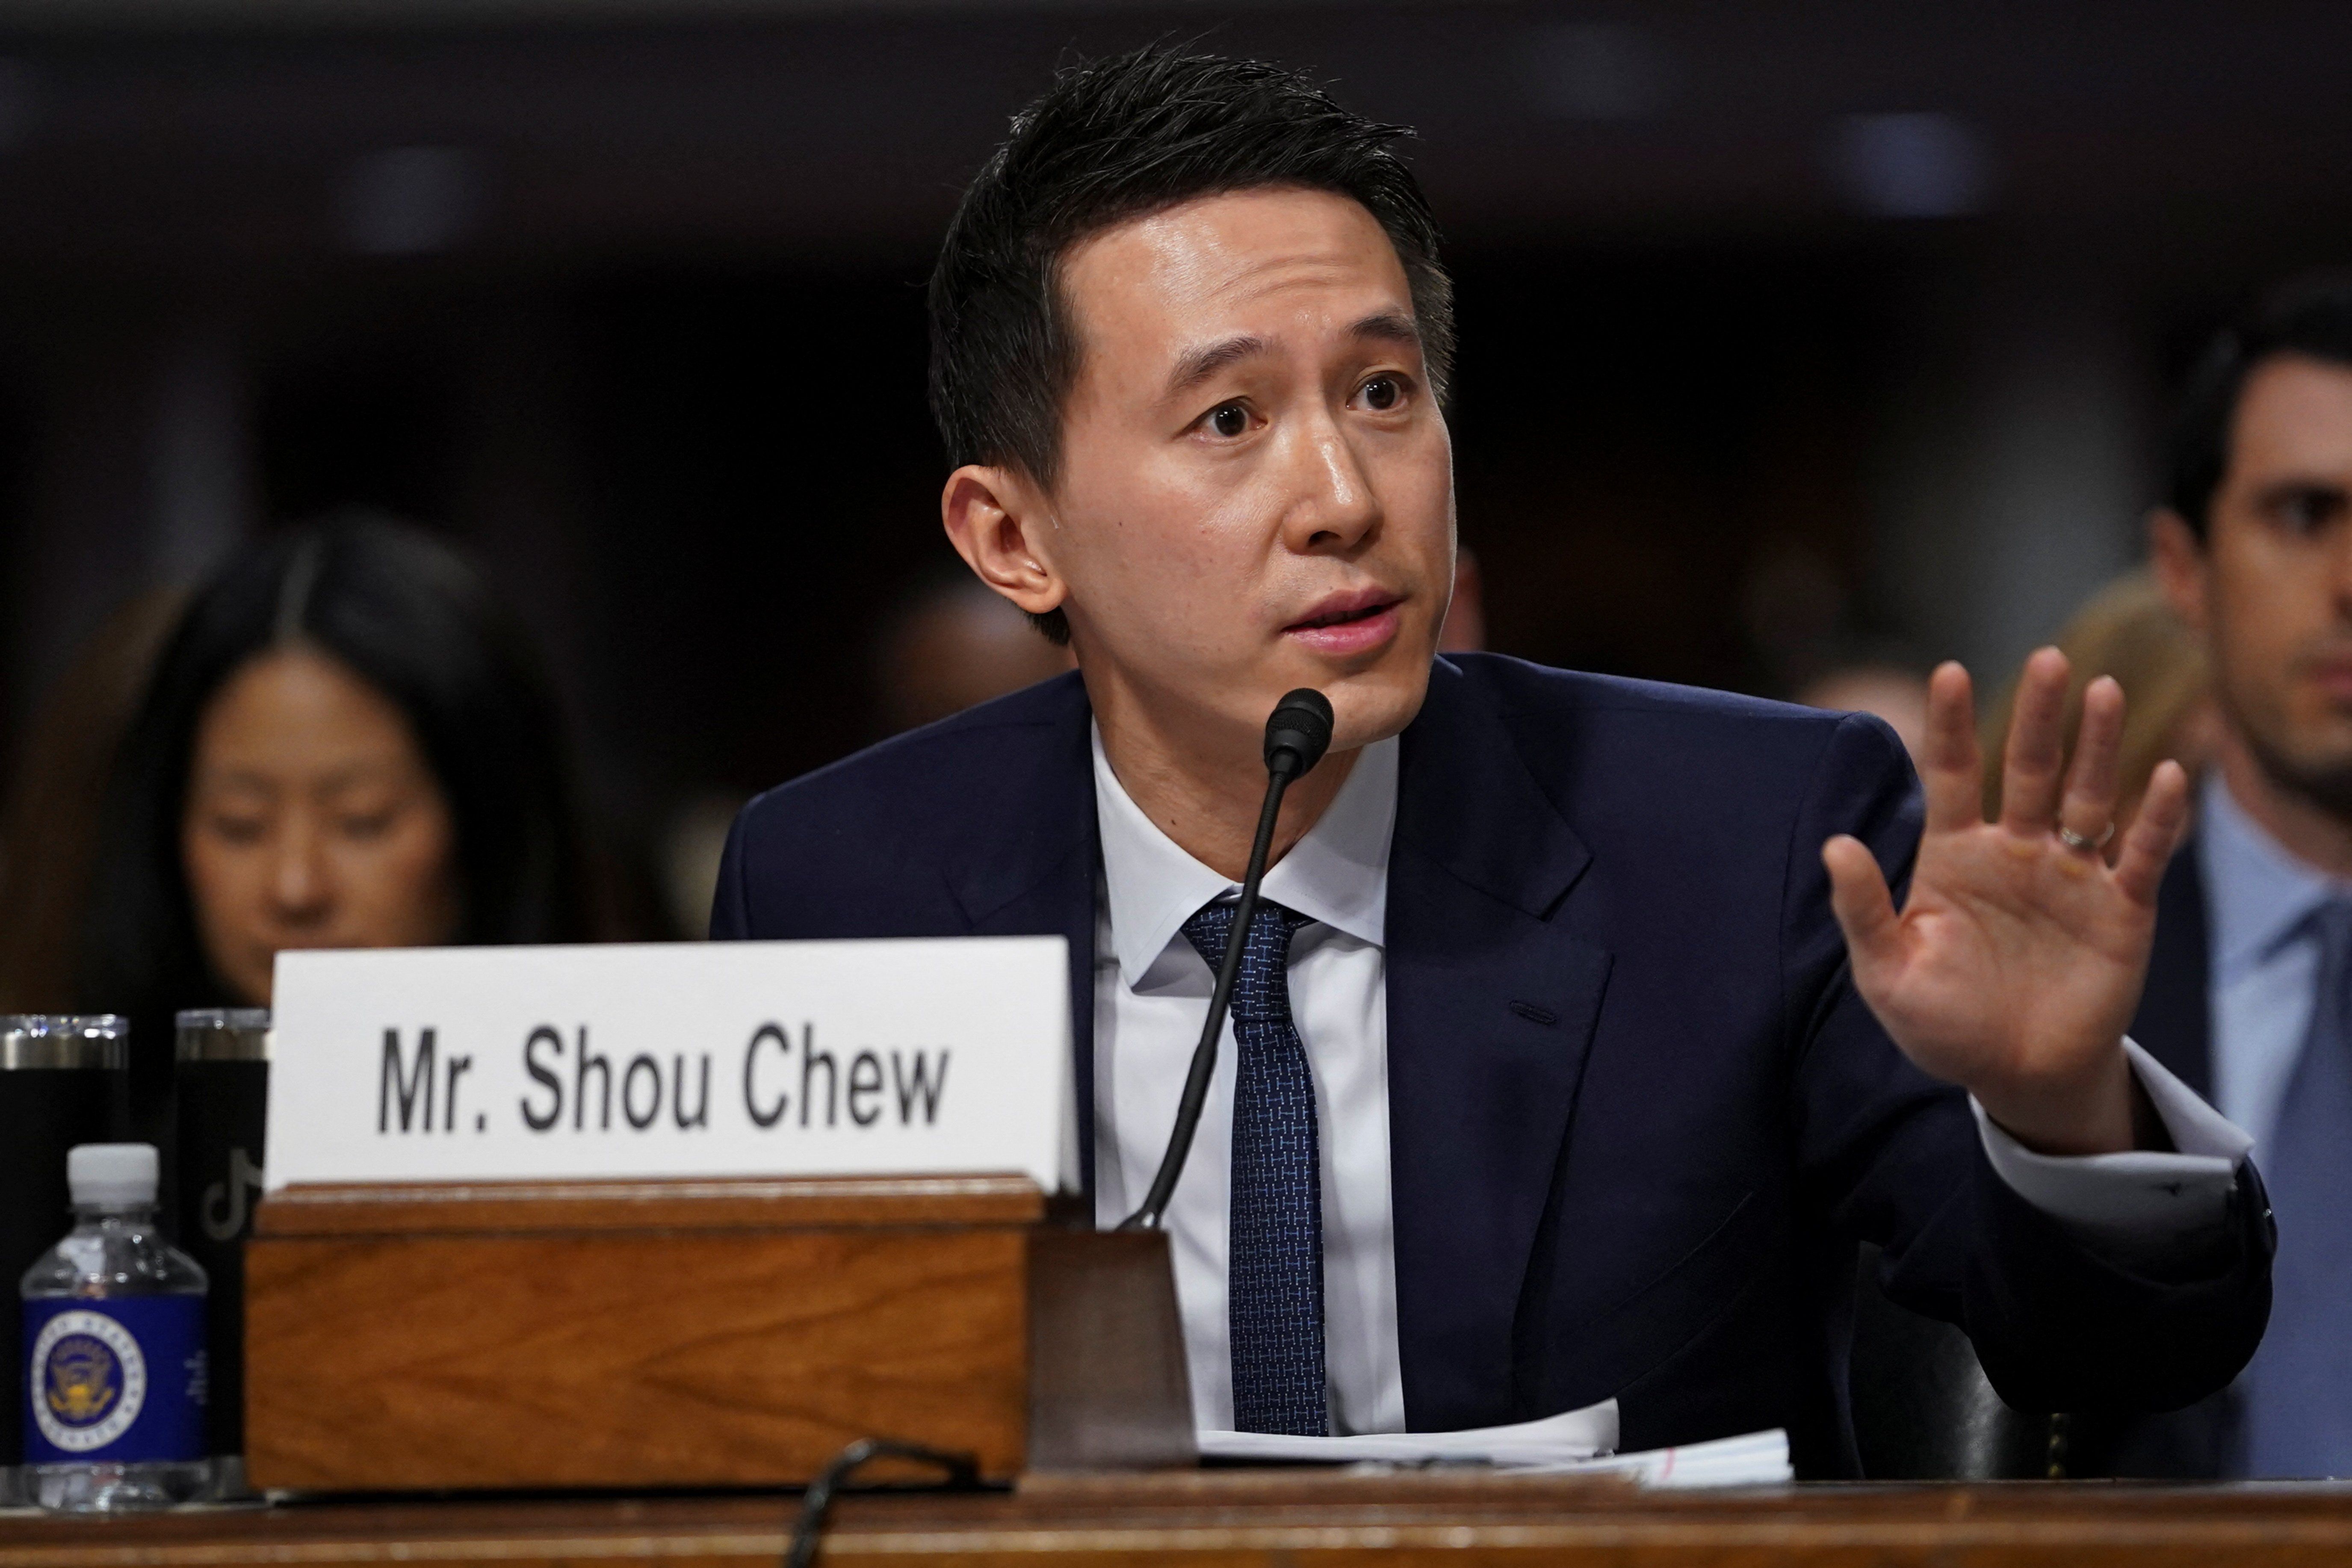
column 114, row 1349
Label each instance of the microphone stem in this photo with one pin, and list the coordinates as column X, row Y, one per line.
column 1204, row 1055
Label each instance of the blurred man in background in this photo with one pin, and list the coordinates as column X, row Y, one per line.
column 1882, row 688
column 951, row 643
column 2248, row 996
column 954, row 645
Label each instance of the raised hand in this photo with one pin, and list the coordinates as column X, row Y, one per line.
column 2016, row 963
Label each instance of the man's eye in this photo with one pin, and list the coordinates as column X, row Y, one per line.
column 2309, row 511
column 1382, row 392
column 1230, row 421
column 365, row 825
column 238, row 829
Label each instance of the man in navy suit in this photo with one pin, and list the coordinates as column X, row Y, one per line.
column 1580, row 1037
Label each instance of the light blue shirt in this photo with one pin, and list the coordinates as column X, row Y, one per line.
column 2265, row 958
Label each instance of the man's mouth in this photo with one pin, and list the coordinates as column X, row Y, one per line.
column 2332, row 673
column 1344, row 609
column 1348, row 626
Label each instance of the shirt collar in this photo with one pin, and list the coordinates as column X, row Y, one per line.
column 1337, row 874
column 2260, row 893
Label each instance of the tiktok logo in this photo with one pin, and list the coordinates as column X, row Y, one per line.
column 229, row 1196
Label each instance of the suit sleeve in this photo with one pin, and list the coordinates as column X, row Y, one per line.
column 1889, row 1155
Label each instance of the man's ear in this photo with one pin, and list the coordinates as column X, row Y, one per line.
column 2182, row 566
column 999, row 523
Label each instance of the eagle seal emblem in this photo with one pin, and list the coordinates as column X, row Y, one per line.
column 90, row 1380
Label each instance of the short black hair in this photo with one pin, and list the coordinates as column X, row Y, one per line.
column 414, row 620
column 1114, row 140
column 2311, row 317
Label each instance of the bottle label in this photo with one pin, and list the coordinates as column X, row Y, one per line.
column 114, row 1380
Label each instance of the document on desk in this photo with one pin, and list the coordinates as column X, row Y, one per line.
column 1576, row 1442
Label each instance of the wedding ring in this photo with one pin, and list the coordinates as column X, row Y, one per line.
column 2074, row 840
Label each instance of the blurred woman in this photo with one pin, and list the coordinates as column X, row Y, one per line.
column 348, row 742
column 2127, row 630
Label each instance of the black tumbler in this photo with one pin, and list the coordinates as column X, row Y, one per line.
column 222, row 1096
column 63, row 1081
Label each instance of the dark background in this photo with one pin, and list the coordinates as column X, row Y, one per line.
column 1789, row 330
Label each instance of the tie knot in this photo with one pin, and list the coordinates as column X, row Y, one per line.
column 1271, row 929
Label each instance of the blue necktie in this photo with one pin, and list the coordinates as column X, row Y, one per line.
column 1274, row 1275
column 2298, row 1390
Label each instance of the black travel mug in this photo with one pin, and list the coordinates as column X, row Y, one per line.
column 222, row 1095
column 64, row 1079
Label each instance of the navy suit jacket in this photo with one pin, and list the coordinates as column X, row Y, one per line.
column 1638, row 1115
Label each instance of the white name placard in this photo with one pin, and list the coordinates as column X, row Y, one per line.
column 679, row 1059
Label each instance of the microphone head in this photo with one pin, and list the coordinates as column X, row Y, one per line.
column 1299, row 726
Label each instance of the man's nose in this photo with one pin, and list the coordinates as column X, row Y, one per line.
column 2339, row 570
column 1334, row 505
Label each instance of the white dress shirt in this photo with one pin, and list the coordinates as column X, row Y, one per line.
column 1152, row 993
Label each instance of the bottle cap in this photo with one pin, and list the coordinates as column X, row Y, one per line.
column 64, row 1040
column 223, row 1034
column 111, row 1176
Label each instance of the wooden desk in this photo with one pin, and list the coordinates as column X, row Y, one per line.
column 1247, row 1518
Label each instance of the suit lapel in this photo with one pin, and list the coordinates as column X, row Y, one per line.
column 1032, row 862
column 1491, row 1012
column 2175, row 1024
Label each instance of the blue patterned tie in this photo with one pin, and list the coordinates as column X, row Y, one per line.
column 1274, row 1289
column 2298, row 1392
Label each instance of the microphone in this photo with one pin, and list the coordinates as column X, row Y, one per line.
column 1297, row 732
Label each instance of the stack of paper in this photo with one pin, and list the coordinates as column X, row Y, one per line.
column 1757, row 1459
column 1576, row 1442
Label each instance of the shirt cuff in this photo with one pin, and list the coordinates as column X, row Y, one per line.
column 2139, row 1205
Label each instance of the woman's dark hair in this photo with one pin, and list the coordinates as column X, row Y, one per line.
column 2310, row 317
column 415, row 621
column 1115, row 139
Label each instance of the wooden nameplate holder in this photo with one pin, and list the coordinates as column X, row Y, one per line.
column 696, row 1333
